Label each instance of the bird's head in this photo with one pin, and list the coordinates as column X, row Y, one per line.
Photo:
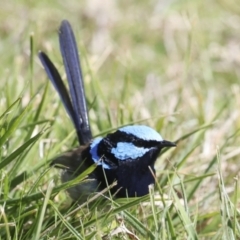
column 128, row 144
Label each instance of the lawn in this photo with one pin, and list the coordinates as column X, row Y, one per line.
column 171, row 65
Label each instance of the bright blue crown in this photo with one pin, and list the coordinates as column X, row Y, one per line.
column 142, row 132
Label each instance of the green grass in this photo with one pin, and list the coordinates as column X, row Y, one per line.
column 174, row 67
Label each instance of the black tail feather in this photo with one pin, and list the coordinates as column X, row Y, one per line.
column 57, row 82
column 76, row 107
column 74, row 74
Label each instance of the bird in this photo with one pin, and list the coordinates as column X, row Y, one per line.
column 126, row 156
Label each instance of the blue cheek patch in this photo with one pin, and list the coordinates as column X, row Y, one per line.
column 93, row 152
column 125, row 151
column 142, row 132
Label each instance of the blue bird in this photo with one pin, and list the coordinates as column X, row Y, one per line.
column 126, row 156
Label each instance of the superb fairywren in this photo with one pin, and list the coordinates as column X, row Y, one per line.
column 126, row 156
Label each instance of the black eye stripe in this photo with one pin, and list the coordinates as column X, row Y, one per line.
column 120, row 136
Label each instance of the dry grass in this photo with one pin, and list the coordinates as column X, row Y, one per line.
column 172, row 65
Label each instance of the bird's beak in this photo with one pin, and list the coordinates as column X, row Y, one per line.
column 166, row 143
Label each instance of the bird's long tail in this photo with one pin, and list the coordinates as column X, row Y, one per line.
column 75, row 106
